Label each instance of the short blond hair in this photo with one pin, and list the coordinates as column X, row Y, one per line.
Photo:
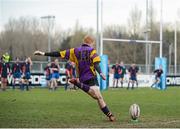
column 88, row 39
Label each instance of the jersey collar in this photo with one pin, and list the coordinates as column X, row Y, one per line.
column 85, row 44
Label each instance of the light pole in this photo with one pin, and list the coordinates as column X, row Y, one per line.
column 49, row 19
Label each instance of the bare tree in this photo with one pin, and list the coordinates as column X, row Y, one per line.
column 134, row 29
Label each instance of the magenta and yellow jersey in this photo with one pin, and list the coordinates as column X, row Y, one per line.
column 84, row 57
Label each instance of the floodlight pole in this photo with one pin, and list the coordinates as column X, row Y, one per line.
column 49, row 17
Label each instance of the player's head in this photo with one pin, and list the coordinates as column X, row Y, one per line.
column 89, row 40
column 72, row 63
column 3, row 59
column 6, row 53
column 56, row 61
column 133, row 65
column 17, row 59
column 117, row 63
column 49, row 64
column 122, row 63
column 27, row 59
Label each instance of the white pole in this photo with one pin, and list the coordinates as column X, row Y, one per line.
column 49, row 39
column 161, row 30
column 101, row 32
column 97, row 33
column 146, row 37
column 99, row 43
column 175, row 48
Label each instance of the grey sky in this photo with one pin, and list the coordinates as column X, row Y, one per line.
column 67, row 12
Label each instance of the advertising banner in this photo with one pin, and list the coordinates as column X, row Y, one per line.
column 38, row 79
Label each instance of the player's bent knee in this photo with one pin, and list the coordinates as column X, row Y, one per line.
column 92, row 93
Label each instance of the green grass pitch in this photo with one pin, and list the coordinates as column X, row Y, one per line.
column 42, row 108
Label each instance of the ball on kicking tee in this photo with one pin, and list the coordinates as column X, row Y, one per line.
column 134, row 111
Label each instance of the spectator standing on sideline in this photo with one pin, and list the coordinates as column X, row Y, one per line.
column 48, row 74
column 26, row 73
column 55, row 74
column 6, row 57
column 133, row 75
column 69, row 69
column 74, row 73
column 116, row 71
column 122, row 73
column 16, row 71
column 5, row 70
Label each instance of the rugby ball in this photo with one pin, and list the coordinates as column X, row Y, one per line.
column 134, row 111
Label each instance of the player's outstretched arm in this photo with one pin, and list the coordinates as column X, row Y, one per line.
column 98, row 69
column 52, row 54
column 39, row 53
column 103, row 76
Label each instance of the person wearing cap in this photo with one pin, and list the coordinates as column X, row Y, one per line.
column 87, row 63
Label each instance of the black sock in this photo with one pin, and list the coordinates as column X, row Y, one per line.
column 27, row 87
column 106, row 111
column 133, row 86
column 128, row 85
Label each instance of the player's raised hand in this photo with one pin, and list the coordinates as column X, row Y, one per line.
column 103, row 76
column 40, row 53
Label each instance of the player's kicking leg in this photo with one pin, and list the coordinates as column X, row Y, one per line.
column 94, row 92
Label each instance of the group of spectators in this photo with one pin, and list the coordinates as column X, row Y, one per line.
column 119, row 70
column 21, row 73
column 19, row 70
column 52, row 74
